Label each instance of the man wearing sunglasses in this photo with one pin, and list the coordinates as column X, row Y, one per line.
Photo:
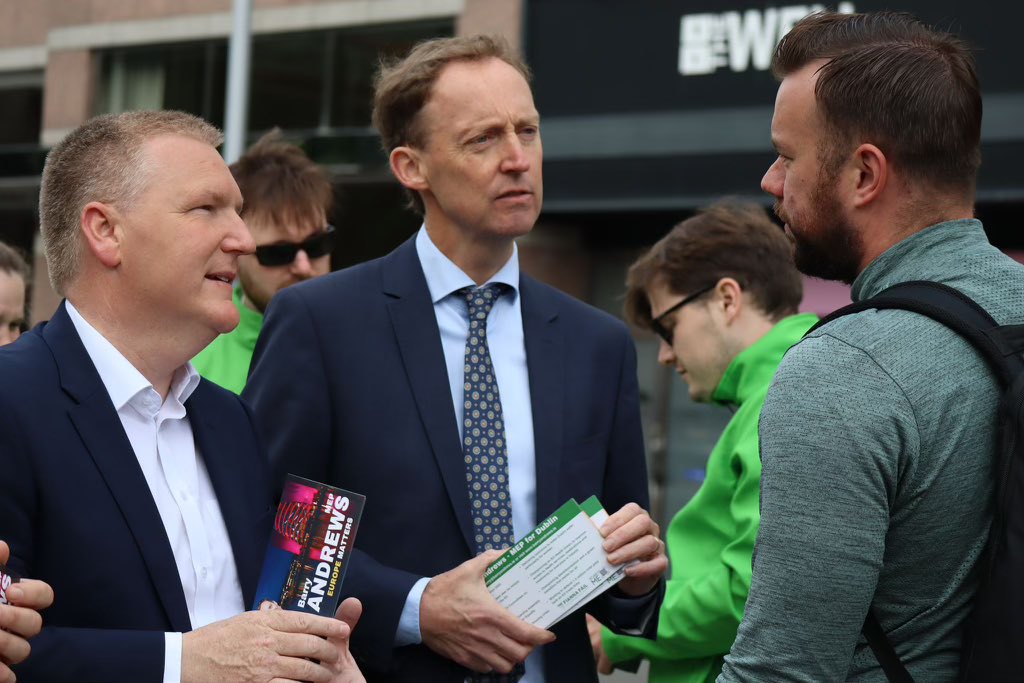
column 721, row 292
column 287, row 201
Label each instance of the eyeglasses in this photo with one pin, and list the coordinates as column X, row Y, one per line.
column 283, row 253
column 666, row 332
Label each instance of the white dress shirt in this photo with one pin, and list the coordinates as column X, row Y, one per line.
column 161, row 436
column 507, row 345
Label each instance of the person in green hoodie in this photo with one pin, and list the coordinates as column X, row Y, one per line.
column 721, row 292
column 287, row 199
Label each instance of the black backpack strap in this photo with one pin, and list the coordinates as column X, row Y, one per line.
column 999, row 346
column 894, row 670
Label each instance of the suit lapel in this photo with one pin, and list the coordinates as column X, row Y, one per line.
column 104, row 439
column 419, row 342
column 215, row 444
column 545, row 367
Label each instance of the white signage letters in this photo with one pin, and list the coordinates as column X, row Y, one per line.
column 708, row 42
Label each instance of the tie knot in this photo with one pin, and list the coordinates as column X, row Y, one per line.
column 480, row 300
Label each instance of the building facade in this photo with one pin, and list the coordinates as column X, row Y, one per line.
column 650, row 110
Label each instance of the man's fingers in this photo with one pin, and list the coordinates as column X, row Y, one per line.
column 522, row 632
column 620, row 517
column 6, row 675
column 297, row 669
column 481, row 562
column 594, row 630
column 299, row 622
column 349, row 612
column 31, row 593
column 5, row 555
column 14, row 649
column 20, row 621
column 642, row 548
column 636, row 528
column 305, row 645
column 487, row 661
column 509, row 648
column 650, row 568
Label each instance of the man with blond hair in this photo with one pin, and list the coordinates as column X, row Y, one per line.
column 133, row 487
column 465, row 399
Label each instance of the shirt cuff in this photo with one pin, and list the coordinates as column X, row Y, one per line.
column 631, row 616
column 172, row 658
column 409, row 623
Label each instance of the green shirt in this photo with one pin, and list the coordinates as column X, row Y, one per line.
column 877, row 447
column 226, row 360
column 711, row 539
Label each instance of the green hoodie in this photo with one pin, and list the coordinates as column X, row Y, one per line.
column 711, row 540
column 226, row 360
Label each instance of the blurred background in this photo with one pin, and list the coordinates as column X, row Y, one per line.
column 650, row 109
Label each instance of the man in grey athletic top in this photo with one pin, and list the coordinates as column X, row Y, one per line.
column 878, row 434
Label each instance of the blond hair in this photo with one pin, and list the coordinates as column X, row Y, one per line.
column 101, row 161
column 402, row 87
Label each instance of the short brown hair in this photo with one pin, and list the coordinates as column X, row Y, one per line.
column 402, row 87
column 727, row 239
column 11, row 261
column 890, row 79
column 102, row 160
column 280, row 183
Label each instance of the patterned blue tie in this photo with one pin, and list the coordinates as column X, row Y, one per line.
column 483, row 442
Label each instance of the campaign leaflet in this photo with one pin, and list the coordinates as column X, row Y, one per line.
column 7, row 577
column 556, row 568
column 310, row 547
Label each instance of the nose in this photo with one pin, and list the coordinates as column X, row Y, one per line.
column 301, row 266
column 515, row 159
column 239, row 240
column 666, row 356
column 773, row 179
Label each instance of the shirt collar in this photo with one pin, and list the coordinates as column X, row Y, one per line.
column 123, row 380
column 444, row 277
column 922, row 256
column 751, row 371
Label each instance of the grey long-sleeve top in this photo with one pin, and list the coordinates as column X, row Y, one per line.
column 877, row 443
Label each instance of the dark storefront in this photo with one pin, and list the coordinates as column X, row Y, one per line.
column 653, row 109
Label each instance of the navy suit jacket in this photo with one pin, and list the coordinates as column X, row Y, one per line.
column 77, row 512
column 349, row 386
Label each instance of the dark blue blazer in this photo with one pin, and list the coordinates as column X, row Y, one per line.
column 77, row 512
column 349, row 386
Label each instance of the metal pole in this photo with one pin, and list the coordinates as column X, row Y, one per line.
column 236, row 106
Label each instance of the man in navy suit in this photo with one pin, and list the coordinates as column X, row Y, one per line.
column 130, row 485
column 465, row 399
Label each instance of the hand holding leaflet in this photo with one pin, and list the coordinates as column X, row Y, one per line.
column 557, row 567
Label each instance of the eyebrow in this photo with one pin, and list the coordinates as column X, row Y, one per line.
column 208, row 196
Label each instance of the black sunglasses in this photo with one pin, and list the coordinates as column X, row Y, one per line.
column 283, row 253
column 666, row 332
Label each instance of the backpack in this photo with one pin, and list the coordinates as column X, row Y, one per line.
column 993, row 644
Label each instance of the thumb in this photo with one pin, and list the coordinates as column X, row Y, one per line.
column 5, row 552
column 349, row 612
column 481, row 562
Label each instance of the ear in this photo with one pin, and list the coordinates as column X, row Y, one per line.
column 407, row 165
column 102, row 237
column 729, row 298
column 872, row 174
